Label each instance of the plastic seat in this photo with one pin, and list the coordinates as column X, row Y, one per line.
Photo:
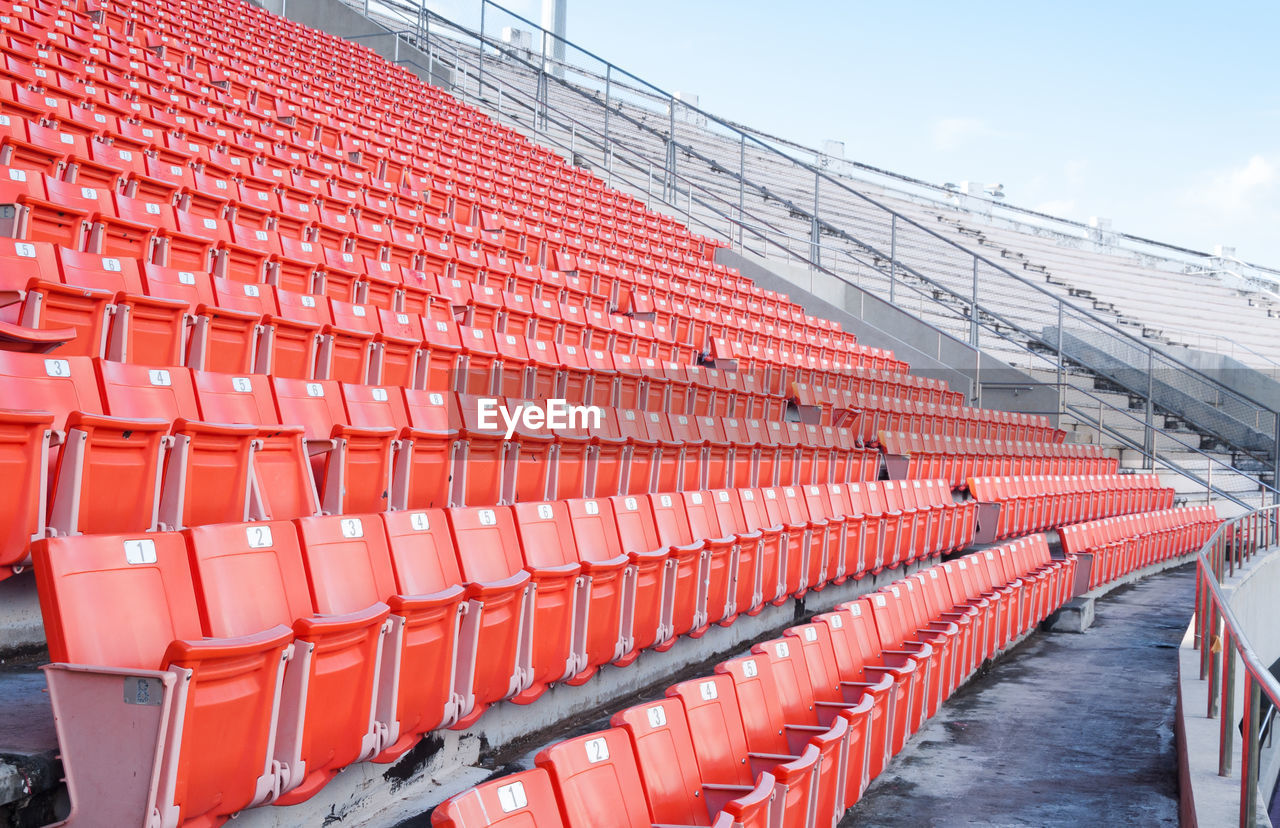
column 488, row 557
column 668, row 765
column 283, row 484
column 194, row 736
column 516, row 800
column 207, row 469
column 355, row 463
column 690, row 576
column 724, row 757
column 597, row 774
column 648, row 603
column 349, row 567
column 853, row 701
column 562, row 612
column 252, row 576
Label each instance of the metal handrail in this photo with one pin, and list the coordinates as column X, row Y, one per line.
column 1233, row 544
column 1262, row 415
column 484, row 38
column 658, row 94
column 769, row 237
column 977, row 316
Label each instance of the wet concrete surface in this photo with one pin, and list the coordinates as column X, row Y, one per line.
column 1069, row 729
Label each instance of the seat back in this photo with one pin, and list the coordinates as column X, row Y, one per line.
column 595, row 530
column 519, row 800
column 138, row 391
column 115, row 600
column 711, row 709
column 347, row 561
column 637, row 531
column 487, row 543
column 667, row 760
column 546, row 534
column 597, row 774
column 248, row 576
column 422, row 551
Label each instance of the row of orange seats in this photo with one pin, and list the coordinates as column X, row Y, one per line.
column 156, row 163
column 1035, row 503
column 792, row 732
column 279, row 652
column 62, row 73
column 383, row 137
column 1116, row 546
column 111, row 446
column 874, row 416
column 959, row 457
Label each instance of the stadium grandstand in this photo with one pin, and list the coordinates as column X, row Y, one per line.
column 407, row 423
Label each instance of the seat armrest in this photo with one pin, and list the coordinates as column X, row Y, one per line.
column 207, row 649
column 401, row 604
column 329, row 624
column 479, row 589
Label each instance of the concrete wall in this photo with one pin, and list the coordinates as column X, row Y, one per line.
column 1258, row 385
column 876, row 322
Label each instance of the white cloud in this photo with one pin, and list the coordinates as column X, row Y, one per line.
column 950, row 133
column 1249, row 189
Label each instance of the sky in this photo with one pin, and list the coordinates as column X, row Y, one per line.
column 1163, row 117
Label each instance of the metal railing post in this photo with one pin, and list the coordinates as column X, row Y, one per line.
column 608, row 144
column 1149, row 437
column 973, row 307
column 669, row 185
column 1249, row 753
column 893, row 259
column 742, row 184
column 480, row 53
column 1275, row 458
column 540, row 102
column 815, row 229
column 1227, row 723
column 1061, row 367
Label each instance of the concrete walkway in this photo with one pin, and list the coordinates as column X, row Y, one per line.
column 1071, row 729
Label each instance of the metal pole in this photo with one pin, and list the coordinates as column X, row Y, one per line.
column 608, row 145
column 480, row 53
column 426, row 38
column 1208, row 483
column 815, row 230
column 669, row 187
column 741, row 188
column 1227, row 725
column 1249, row 753
column 1061, row 377
column 973, row 307
column 893, row 259
column 1149, row 438
column 540, row 113
column 1275, row 458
